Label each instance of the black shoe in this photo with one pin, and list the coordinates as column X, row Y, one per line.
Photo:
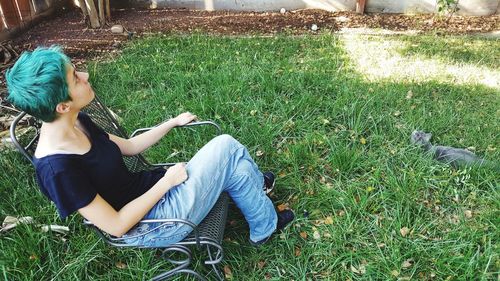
column 284, row 218
column 269, row 181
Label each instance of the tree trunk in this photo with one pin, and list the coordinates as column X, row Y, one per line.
column 102, row 19
column 32, row 8
column 82, row 5
column 108, row 11
column 360, row 6
column 94, row 21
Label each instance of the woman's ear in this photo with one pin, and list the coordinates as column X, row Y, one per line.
column 63, row 107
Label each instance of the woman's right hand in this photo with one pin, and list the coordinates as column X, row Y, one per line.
column 176, row 174
column 185, row 118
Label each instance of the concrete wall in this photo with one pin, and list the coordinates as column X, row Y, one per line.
column 211, row 5
column 467, row 7
column 478, row 7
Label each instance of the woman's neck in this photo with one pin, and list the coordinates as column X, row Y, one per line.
column 64, row 135
column 63, row 126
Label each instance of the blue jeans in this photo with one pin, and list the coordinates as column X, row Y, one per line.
column 223, row 164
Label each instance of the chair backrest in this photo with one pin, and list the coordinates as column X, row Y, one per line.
column 26, row 139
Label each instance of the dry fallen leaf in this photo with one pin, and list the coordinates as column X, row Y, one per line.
column 261, row 264
column 253, row 112
column 316, row 235
column 282, row 207
column 329, row 220
column 303, row 234
column 10, row 222
column 310, row 192
column 355, row 270
column 259, row 153
column 407, row 263
column 297, row 251
column 318, row 222
column 395, row 273
column 360, row 270
column 409, row 95
column 33, row 257
column 227, row 272
column 404, row 231
column 120, row 265
column 468, row 214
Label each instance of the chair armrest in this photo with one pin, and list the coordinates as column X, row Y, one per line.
column 120, row 241
column 14, row 137
column 192, row 124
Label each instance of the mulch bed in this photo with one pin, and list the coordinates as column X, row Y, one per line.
column 81, row 43
column 69, row 30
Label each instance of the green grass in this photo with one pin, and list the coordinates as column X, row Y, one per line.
column 459, row 49
column 339, row 142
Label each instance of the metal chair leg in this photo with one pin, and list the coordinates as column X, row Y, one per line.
column 214, row 260
column 181, row 264
column 186, row 271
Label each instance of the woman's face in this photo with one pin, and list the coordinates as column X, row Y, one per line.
column 79, row 88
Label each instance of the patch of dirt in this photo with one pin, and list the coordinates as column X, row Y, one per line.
column 69, row 30
column 81, row 43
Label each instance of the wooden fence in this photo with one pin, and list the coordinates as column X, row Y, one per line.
column 17, row 15
column 15, row 12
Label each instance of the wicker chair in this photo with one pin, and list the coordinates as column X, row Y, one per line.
column 206, row 236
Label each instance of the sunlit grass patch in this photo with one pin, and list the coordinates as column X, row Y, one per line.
column 455, row 59
column 471, row 50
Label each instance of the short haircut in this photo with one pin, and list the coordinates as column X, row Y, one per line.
column 37, row 82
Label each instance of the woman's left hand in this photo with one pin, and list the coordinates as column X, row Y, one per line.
column 184, row 118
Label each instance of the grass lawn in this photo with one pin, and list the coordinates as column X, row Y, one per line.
column 332, row 116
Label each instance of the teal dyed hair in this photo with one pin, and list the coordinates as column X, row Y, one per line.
column 37, row 82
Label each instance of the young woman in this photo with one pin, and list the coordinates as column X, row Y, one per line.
column 80, row 167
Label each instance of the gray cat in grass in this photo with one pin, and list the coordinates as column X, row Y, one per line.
column 456, row 157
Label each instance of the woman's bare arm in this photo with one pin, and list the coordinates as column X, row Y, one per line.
column 117, row 223
column 139, row 143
